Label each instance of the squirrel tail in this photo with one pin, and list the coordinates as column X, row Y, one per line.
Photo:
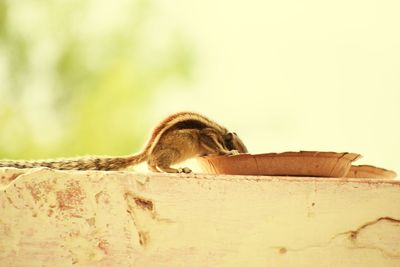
column 83, row 163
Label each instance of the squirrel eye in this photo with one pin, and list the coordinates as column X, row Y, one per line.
column 228, row 136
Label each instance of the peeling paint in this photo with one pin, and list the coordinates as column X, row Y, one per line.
column 144, row 217
column 8, row 176
column 71, row 197
column 104, row 246
column 102, row 197
column 142, row 213
column 144, row 203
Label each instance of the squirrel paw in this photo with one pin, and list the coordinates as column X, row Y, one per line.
column 233, row 152
column 184, row 170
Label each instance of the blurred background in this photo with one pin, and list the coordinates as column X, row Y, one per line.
column 85, row 77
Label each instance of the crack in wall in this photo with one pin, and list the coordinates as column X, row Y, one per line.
column 353, row 234
column 384, row 241
column 388, row 245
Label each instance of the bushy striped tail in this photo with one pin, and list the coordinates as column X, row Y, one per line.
column 82, row 163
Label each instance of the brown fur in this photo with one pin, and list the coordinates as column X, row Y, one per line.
column 178, row 137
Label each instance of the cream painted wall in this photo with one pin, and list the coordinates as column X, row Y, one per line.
column 293, row 75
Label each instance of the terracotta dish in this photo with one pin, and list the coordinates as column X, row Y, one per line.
column 303, row 163
column 368, row 171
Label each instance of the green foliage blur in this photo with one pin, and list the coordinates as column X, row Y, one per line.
column 77, row 75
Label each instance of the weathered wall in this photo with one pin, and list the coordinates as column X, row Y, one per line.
column 53, row 218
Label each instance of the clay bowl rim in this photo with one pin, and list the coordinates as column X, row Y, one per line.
column 302, row 153
column 374, row 170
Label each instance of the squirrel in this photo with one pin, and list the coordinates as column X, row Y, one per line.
column 178, row 137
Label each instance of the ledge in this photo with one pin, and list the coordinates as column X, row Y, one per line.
column 56, row 218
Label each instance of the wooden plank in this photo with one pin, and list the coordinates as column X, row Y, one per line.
column 55, row 218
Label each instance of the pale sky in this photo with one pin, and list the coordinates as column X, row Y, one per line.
column 292, row 75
